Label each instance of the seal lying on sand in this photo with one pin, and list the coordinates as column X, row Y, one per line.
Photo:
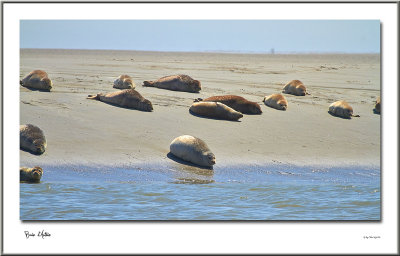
column 377, row 109
column 277, row 101
column 127, row 98
column 176, row 83
column 30, row 174
column 32, row 139
column 193, row 150
column 342, row 109
column 37, row 79
column 124, row 82
column 236, row 102
column 215, row 110
column 295, row 87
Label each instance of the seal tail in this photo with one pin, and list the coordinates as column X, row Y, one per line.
column 148, row 83
column 93, row 97
column 307, row 93
column 198, row 100
column 355, row 115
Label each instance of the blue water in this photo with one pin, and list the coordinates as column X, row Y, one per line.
column 229, row 193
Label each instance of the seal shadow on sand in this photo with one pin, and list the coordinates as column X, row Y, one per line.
column 118, row 106
column 346, row 118
column 36, row 89
column 204, row 170
column 33, row 153
column 206, row 117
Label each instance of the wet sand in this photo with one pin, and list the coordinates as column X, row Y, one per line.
column 91, row 133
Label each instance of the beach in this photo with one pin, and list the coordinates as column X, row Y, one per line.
column 87, row 132
column 105, row 162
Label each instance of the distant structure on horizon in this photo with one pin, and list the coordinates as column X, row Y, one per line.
column 272, row 51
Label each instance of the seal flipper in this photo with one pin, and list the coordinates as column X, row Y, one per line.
column 355, row 115
column 148, row 83
column 21, row 83
column 93, row 97
column 198, row 100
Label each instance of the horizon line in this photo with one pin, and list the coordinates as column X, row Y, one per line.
column 209, row 51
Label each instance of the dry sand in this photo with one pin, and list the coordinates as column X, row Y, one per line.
column 87, row 132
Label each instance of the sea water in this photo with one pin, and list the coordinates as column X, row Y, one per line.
column 229, row 193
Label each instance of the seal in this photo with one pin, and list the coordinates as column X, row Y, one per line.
column 295, row 87
column 127, row 98
column 32, row 175
column 277, row 101
column 32, row 139
column 37, row 79
column 215, row 110
column 175, row 83
column 341, row 109
column 124, row 82
column 193, row 150
column 377, row 109
column 237, row 103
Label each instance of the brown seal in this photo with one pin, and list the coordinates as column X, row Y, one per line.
column 127, row 98
column 32, row 139
column 295, row 87
column 193, row 150
column 37, row 79
column 215, row 110
column 377, row 109
column 277, row 101
column 176, row 83
column 124, row 82
column 32, row 175
column 237, row 103
column 341, row 109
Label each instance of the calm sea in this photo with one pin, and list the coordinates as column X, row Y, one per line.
column 229, row 193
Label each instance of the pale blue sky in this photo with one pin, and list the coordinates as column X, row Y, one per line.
column 285, row 36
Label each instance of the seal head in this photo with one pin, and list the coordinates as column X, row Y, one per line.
column 30, row 174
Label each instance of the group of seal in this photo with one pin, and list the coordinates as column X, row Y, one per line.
column 32, row 139
column 186, row 147
column 238, row 103
column 338, row 108
column 227, row 107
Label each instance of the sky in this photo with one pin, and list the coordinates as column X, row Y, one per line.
column 248, row 36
